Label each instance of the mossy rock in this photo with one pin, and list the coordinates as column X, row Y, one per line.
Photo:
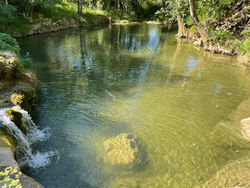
column 24, row 95
column 121, row 150
column 16, row 117
column 8, row 66
column 235, row 174
column 7, row 141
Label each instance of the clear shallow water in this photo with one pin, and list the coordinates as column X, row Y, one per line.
column 135, row 79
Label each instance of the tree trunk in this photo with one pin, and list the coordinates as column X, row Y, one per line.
column 182, row 31
column 118, row 4
column 6, row 2
column 164, row 4
column 198, row 24
column 79, row 7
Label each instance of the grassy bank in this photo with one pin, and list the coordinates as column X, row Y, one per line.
column 15, row 23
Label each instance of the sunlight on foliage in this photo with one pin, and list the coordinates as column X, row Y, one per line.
column 9, row 178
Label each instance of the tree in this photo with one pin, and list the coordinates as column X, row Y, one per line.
column 79, row 7
column 201, row 29
column 182, row 31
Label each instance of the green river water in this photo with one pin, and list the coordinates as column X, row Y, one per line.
column 176, row 101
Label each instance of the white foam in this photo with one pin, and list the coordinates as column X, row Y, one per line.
column 40, row 159
column 36, row 135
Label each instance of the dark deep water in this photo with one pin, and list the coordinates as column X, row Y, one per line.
column 137, row 79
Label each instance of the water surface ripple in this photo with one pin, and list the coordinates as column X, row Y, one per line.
column 137, row 79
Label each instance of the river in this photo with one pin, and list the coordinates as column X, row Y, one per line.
column 175, row 100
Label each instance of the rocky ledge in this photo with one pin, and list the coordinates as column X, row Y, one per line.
column 16, row 89
column 11, row 174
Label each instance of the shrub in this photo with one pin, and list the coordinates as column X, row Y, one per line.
column 7, row 43
column 246, row 33
column 221, row 36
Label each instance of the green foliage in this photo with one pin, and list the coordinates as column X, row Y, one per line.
column 213, row 8
column 55, row 13
column 222, row 36
column 7, row 43
column 192, row 29
column 26, row 61
column 246, row 33
column 121, row 15
column 11, row 21
column 20, row 69
column 9, row 178
column 7, row 13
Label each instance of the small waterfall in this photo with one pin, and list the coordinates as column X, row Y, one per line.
column 23, row 149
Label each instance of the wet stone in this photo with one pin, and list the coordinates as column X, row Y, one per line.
column 121, row 150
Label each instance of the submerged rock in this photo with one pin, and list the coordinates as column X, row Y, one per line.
column 121, row 150
column 235, row 174
column 245, row 127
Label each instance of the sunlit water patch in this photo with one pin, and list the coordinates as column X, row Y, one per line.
column 95, row 84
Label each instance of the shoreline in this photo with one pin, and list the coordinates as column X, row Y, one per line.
column 71, row 23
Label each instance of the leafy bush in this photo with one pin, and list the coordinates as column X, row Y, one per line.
column 246, row 33
column 7, row 13
column 26, row 60
column 221, row 35
column 7, row 43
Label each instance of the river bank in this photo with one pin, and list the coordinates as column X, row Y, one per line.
column 48, row 26
column 15, row 90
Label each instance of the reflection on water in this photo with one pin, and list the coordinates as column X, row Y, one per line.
column 135, row 79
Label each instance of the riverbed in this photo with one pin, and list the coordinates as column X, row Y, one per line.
column 96, row 83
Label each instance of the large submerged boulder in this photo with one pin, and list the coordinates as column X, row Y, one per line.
column 121, row 150
column 234, row 174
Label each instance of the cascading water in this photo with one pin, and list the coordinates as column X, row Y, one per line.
column 23, row 147
column 24, row 153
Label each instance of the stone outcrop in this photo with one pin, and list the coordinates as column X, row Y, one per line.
column 8, row 65
column 8, row 164
column 214, row 47
column 245, row 127
column 121, row 150
column 15, row 88
column 16, row 117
